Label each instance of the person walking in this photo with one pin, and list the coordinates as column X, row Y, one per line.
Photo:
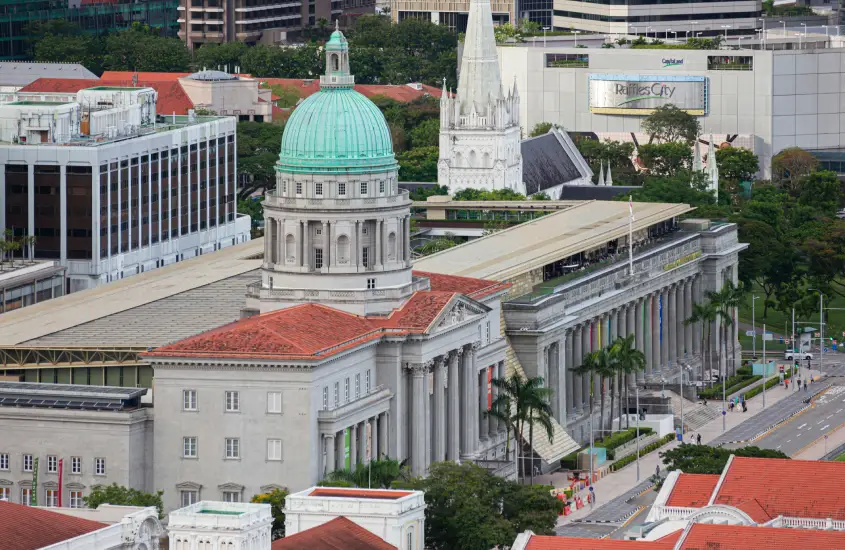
column 698, row 439
column 657, row 470
column 591, row 497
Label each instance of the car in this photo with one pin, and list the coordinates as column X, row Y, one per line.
column 791, row 355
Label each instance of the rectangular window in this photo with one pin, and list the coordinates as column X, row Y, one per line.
column 363, row 188
column 27, row 463
column 274, row 402
column 357, row 386
column 365, row 256
column 6, row 494
column 325, row 398
column 336, row 394
column 51, row 498
column 567, row 60
column 76, row 499
column 381, row 187
column 341, row 189
column 318, row 189
column 233, row 448
column 4, row 461
column 298, row 188
column 274, row 449
column 371, row 283
column 188, row 498
column 231, row 496
column 52, row 464
column 189, row 400
column 318, row 258
column 76, row 465
column 189, row 447
column 488, row 332
column 26, row 497
column 233, row 401
column 100, row 466
column 730, row 63
column 367, row 381
column 346, row 391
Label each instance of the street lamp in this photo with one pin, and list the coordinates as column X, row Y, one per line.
column 693, row 23
column 676, row 35
column 544, row 35
column 576, row 37
column 754, row 299
column 726, row 27
column 805, row 29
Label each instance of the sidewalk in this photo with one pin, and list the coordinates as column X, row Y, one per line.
column 618, row 483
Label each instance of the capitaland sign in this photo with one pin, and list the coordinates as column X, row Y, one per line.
column 672, row 62
column 640, row 95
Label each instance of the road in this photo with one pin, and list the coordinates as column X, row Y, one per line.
column 825, row 416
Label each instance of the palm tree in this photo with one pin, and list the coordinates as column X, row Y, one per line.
column 727, row 300
column 629, row 360
column 520, row 402
column 599, row 362
column 704, row 313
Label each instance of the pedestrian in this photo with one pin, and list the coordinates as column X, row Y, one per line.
column 657, row 470
column 698, row 439
column 591, row 497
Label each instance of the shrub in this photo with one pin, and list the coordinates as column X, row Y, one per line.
column 618, row 439
column 770, row 384
column 734, row 384
column 622, row 462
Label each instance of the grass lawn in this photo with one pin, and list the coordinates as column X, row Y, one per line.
column 840, row 458
column 781, row 322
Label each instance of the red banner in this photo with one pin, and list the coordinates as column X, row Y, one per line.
column 489, row 388
column 61, row 486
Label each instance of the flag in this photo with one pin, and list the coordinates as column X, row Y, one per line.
column 631, row 206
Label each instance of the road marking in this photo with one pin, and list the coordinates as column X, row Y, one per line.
column 819, row 422
column 830, row 416
column 788, row 440
column 839, row 411
column 778, row 447
column 826, row 426
column 802, row 425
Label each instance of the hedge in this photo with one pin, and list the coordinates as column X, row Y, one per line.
column 613, row 441
column 570, row 461
column 622, row 462
column 734, row 384
column 770, row 384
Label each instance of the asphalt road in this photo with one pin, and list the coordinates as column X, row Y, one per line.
column 825, row 416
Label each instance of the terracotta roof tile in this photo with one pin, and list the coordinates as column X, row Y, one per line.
column 150, row 76
column 755, row 511
column 171, row 97
column 777, row 495
column 402, row 93
column 693, row 490
column 706, row 536
column 358, row 493
column 567, row 543
column 25, row 528
column 337, row 534
column 420, row 310
column 474, row 288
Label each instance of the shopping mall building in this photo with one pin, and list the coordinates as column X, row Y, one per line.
column 762, row 100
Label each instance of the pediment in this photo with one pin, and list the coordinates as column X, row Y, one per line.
column 458, row 311
column 230, row 487
column 272, row 487
column 188, row 486
column 6, row 483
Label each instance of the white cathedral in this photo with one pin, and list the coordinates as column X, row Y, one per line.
column 480, row 136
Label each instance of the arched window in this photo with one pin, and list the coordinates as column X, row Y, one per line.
column 335, row 62
column 290, row 249
column 459, row 160
column 473, row 160
column 487, row 163
column 391, row 246
column 409, row 540
column 343, row 249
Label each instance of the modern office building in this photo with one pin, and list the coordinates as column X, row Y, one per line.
column 764, row 100
column 453, row 14
column 264, row 21
column 27, row 283
column 91, row 17
column 111, row 189
column 659, row 18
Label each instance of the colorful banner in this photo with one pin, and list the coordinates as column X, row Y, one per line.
column 61, row 486
column 489, row 388
column 347, row 457
column 33, row 498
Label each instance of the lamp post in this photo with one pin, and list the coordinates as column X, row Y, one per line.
column 576, row 37
column 805, row 29
column 726, row 27
column 544, row 35
column 693, row 23
column 754, row 299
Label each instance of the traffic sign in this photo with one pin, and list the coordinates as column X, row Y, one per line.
column 724, row 413
column 749, row 333
column 767, row 336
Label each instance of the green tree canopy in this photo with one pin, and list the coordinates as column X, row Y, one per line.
column 703, row 459
column 666, row 159
column 540, row 128
column 426, row 134
column 222, row 57
column 418, row 164
column 122, row 496
column 737, row 163
column 276, row 500
column 790, row 166
column 668, row 123
column 258, row 151
column 615, row 154
column 471, row 194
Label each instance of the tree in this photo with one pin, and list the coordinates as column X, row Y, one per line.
column 377, row 473
column 276, row 500
column 141, row 48
column 726, row 301
column 737, row 163
column 258, row 151
column 541, row 196
column 703, row 459
column 418, row 164
column 422, row 193
column 426, row 134
column 821, row 191
column 254, row 207
column 669, row 124
column 541, row 128
column 224, row 57
column 667, row 159
column 437, row 244
column 472, row 194
column 530, row 508
column 629, row 360
column 602, row 364
column 507, row 32
column 122, row 496
column 704, row 313
column 85, row 50
column 615, row 154
column 790, row 166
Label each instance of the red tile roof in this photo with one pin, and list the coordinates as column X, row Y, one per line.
column 25, row 528
column 420, row 311
column 693, row 490
column 171, row 97
column 567, row 543
column 338, row 534
column 706, row 536
column 781, row 494
column 151, row 76
column 474, row 288
column 402, row 93
column 755, row 510
column 358, row 493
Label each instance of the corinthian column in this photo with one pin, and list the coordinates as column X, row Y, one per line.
column 419, row 371
column 439, row 431
column 454, row 429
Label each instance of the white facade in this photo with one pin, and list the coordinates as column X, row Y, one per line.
column 480, row 127
column 782, row 99
column 27, row 122
column 398, row 517
column 210, row 525
column 123, row 159
column 137, row 530
column 226, row 94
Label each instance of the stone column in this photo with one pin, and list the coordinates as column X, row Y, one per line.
column 567, row 366
column 552, row 382
column 340, row 450
column 418, row 371
column 453, row 446
column 469, row 410
column 384, row 420
column 353, row 446
column 407, row 240
column 439, row 431
column 331, row 454
column 483, row 422
column 325, row 245
column 631, row 328
column 664, row 334
column 614, row 326
column 374, row 454
column 502, row 428
column 640, row 331
column 575, row 359
column 687, row 297
column 599, row 332
column 586, row 378
column 378, row 243
column 493, row 421
column 679, row 322
column 696, row 327
column 655, row 334
column 359, row 244
column 559, row 367
column 362, row 442
column 670, row 324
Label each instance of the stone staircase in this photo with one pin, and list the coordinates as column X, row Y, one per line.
column 695, row 414
column 562, row 444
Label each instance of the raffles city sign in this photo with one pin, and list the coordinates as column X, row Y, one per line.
column 640, row 95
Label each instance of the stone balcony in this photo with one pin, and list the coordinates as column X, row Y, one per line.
column 340, row 203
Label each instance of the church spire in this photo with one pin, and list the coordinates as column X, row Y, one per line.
column 479, row 76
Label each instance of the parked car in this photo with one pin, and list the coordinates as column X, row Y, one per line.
column 791, row 355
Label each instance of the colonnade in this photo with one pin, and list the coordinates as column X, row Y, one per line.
column 370, row 435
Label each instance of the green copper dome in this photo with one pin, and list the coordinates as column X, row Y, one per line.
column 336, row 130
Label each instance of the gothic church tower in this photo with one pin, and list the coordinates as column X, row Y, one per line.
column 479, row 128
